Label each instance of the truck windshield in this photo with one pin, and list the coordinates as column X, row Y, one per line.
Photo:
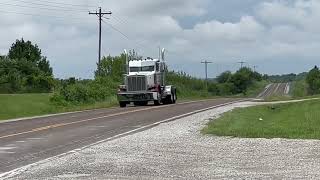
column 142, row 69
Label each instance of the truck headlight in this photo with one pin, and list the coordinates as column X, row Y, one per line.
column 122, row 88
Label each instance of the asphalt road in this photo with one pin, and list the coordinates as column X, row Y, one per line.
column 28, row 141
column 275, row 89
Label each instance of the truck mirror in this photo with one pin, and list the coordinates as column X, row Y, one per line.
column 158, row 67
column 162, row 67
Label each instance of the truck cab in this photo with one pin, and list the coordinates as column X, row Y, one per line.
column 145, row 82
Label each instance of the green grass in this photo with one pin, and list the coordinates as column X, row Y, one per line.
column 278, row 98
column 256, row 88
column 26, row 105
column 293, row 121
column 299, row 89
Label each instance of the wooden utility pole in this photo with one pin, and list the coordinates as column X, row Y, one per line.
column 206, row 70
column 100, row 15
column 241, row 64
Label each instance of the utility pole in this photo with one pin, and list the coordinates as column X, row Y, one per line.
column 206, row 70
column 100, row 15
column 241, row 63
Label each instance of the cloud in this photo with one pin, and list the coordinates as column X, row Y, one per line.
column 274, row 30
column 158, row 8
column 277, row 30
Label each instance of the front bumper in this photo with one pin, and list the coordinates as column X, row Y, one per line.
column 137, row 96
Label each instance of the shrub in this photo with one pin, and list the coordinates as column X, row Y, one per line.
column 86, row 91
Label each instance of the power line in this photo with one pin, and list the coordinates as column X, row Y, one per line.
column 125, row 36
column 67, row 4
column 48, row 5
column 123, row 22
column 39, row 15
column 114, row 28
column 242, row 63
column 120, row 19
column 26, row 6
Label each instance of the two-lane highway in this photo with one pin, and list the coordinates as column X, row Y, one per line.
column 275, row 89
column 28, row 141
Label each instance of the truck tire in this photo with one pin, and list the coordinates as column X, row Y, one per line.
column 123, row 104
column 144, row 103
column 156, row 102
column 174, row 97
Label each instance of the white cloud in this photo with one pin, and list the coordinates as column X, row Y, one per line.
column 281, row 13
column 278, row 29
column 247, row 29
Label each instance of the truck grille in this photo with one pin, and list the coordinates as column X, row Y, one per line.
column 136, row 83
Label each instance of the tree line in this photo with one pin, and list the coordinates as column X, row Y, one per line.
column 110, row 73
column 24, row 69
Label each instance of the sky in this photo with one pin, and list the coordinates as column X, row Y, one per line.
column 277, row 36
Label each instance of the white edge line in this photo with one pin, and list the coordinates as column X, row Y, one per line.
column 265, row 90
column 287, row 89
column 16, row 171
column 278, row 85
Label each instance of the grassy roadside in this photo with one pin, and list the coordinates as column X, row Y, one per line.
column 293, row 120
column 27, row 105
column 256, row 88
column 299, row 89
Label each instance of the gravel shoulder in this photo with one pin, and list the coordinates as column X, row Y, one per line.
column 177, row 150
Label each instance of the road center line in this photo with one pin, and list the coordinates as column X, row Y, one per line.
column 23, row 168
column 91, row 119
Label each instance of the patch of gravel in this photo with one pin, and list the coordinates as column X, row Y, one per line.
column 177, row 150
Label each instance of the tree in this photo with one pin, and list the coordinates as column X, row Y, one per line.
column 224, row 77
column 24, row 69
column 242, row 79
column 313, row 80
column 111, row 67
column 25, row 51
column 133, row 55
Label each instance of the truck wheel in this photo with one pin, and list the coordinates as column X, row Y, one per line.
column 123, row 104
column 144, row 103
column 174, row 97
column 156, row 102
column 166, row 101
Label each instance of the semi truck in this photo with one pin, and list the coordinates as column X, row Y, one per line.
column 145, row 82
